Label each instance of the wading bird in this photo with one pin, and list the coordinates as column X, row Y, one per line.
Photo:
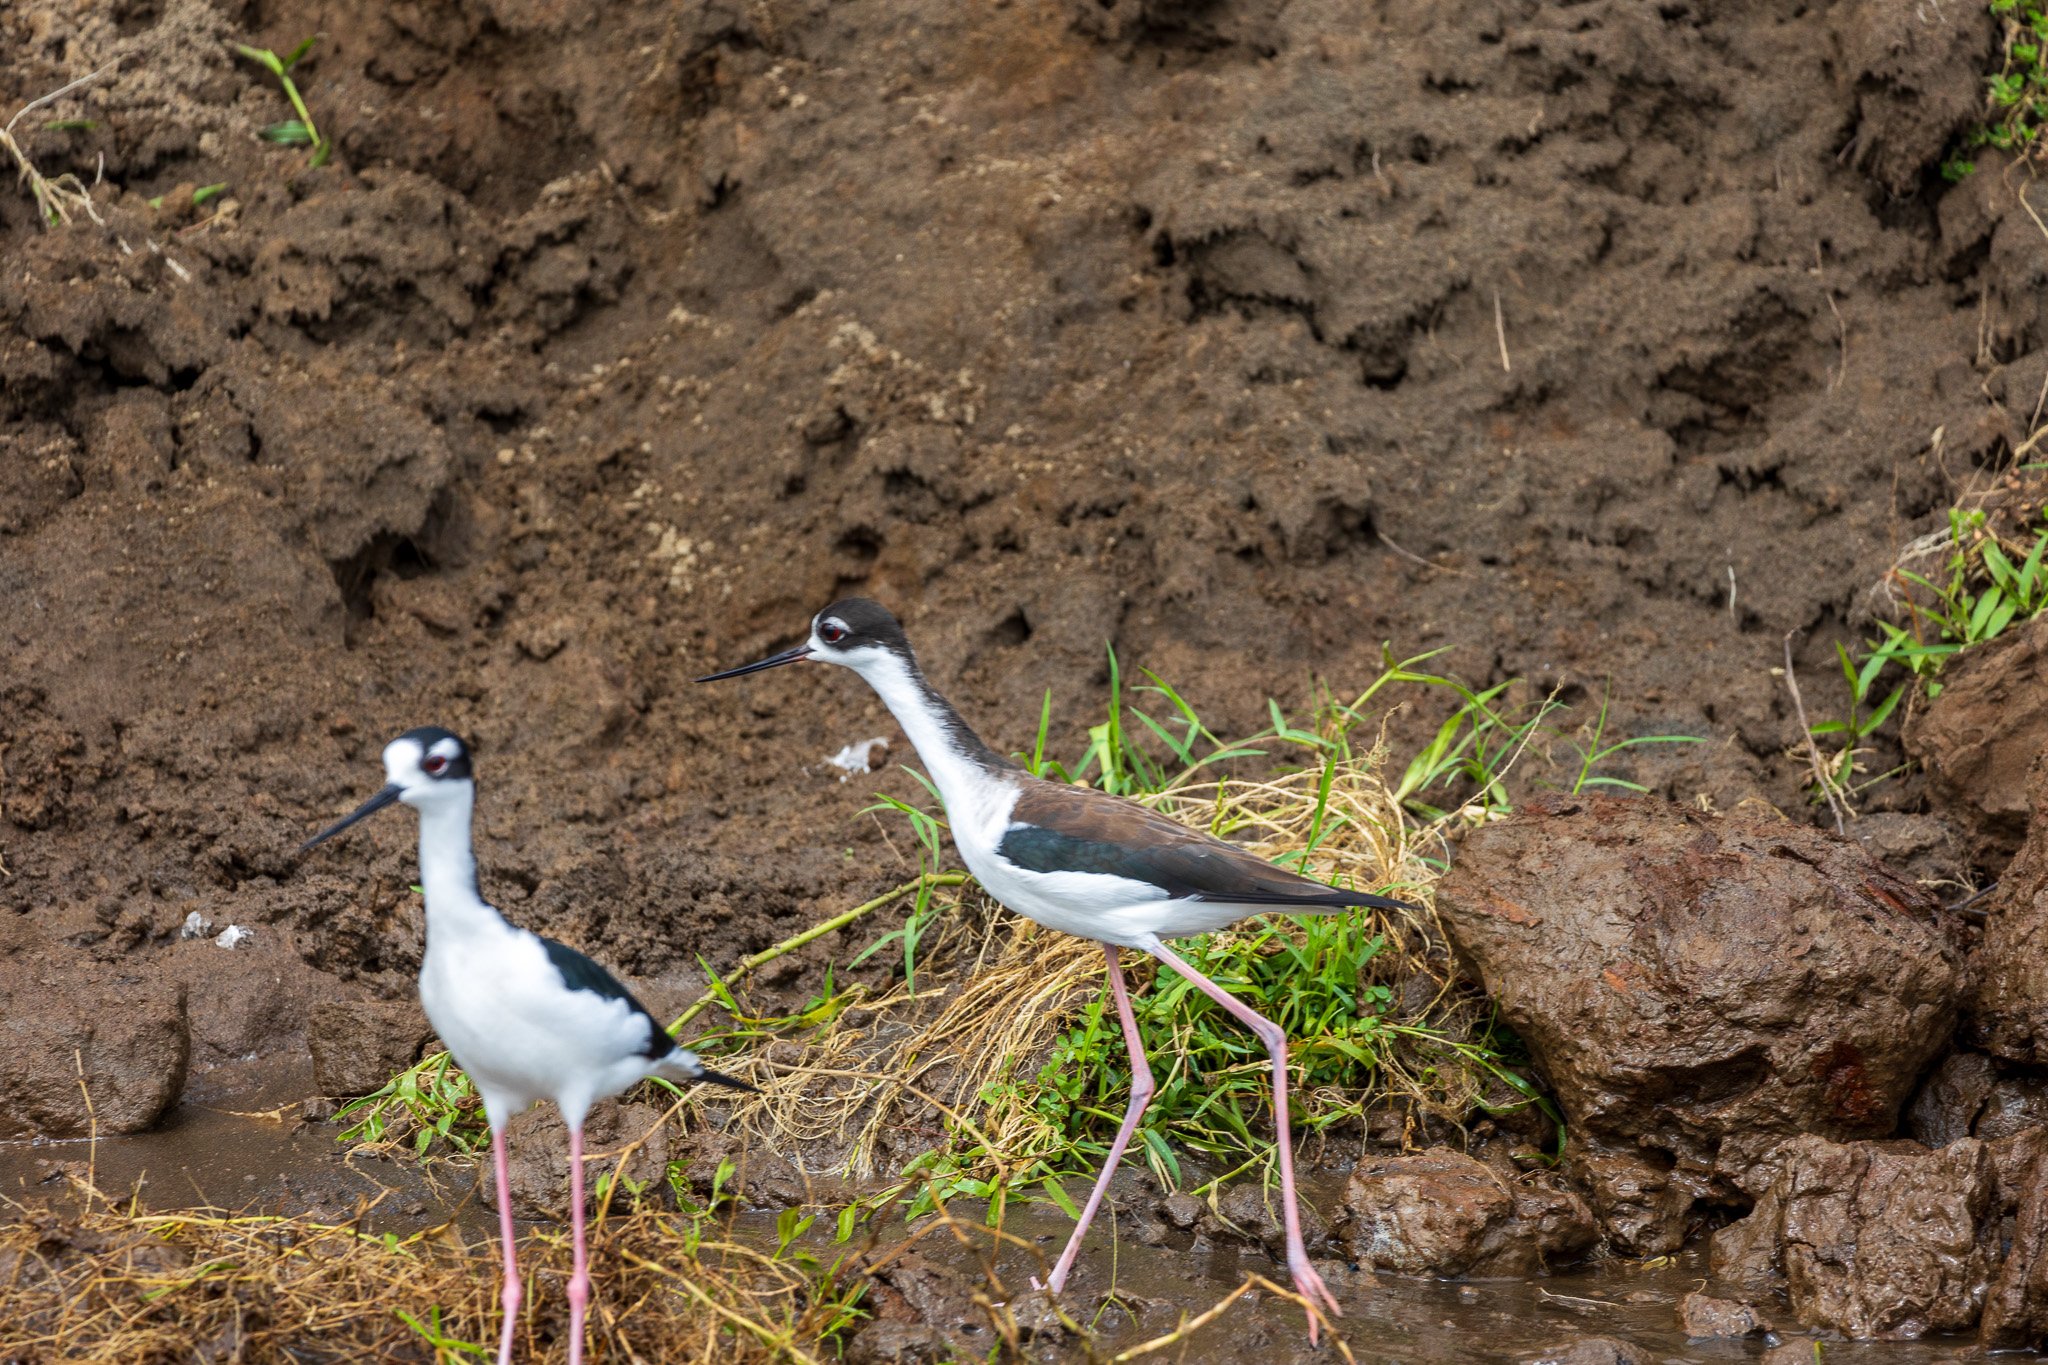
column 1086, row 863
column 525, row 1017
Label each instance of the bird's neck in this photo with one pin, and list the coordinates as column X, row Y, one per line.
column 961, row 766
column 455, row 905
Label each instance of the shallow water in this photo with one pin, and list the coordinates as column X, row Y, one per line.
column 236, row 1142
column 1394, row 1318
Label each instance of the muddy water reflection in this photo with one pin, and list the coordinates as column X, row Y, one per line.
column 1390, row 1318
column 237, row 1141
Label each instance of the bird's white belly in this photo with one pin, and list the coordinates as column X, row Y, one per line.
column 521, row 1037
column 1092, row 905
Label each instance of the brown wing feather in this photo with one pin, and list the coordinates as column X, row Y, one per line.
column 1078, row 828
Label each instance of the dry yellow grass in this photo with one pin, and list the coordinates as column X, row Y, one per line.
column 117, row 1283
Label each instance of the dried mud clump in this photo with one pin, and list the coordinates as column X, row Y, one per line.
column 1444, row 1213
column 1684, row 979
column 86, row 1051
column 2009, row 1011
column 1873, row 1239
column 1978, row 740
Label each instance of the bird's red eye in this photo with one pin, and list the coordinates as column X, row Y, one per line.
column 435, row 765
column 832, row 634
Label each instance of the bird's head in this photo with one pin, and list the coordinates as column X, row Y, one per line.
column 854, row 633
column 424, row 768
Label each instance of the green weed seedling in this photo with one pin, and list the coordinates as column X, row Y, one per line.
column 205, row 194
column 1864, row 720
column 301, row 131
column 445, row 1347
column 1594, row 752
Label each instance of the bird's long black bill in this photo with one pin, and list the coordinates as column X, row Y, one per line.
column 363, row 812
column 711, row 1077
column 787, row 656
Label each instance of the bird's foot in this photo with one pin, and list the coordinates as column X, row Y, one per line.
column 1310, row 1286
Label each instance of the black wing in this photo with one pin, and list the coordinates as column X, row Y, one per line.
column 579, row 973
column 1072, row 829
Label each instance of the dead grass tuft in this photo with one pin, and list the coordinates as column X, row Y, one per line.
column 998, row 995
column 122, row 1284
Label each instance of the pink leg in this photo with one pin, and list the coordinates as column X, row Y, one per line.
column 1306, row 1282
column 509, row 1302
column 1141, row 1095
column 579, row 1281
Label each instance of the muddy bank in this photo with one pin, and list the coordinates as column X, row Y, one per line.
column 1172, row 328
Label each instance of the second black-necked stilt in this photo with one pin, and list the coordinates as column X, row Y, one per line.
column 525, row 1017
column 1086, row 863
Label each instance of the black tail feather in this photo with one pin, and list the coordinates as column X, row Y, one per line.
column 1330, row 898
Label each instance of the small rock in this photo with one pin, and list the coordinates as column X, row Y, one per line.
column 1592, row 1351
column 1702, row 1315
column 2016, row 1305
column 130, row 1038
column 359, row 1045
column 1799, row 1351
column 1181, row 1209
column 898, row 1343
column 1969, row 1095
column 2009, row 1008
column 1977, row 739
column 234, row 936
column 1923, row 847
column 929, row 1309
column 1873, row 1239
column 1443, row 1213
column 196, row 926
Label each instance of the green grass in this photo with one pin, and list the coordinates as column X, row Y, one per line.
column 1980, row 589
column 2016, row 93
column 300, row 131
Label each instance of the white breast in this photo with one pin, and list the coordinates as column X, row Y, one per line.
column 521, row 1034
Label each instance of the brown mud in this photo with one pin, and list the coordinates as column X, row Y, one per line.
column 1600, row 343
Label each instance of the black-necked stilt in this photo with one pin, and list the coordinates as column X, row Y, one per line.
column 1086, row 863
column 526, row 1017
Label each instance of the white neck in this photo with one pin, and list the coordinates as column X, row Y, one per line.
column 448, row 868
column 962, row 777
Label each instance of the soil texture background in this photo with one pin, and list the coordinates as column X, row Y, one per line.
column 1602, row 343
